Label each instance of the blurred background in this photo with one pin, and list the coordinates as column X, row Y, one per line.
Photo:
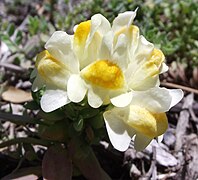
column 172, row 25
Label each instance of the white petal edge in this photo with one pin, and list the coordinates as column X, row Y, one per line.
column 117, row 131
column 122, row 100
column 53, row 99
column 60, row 47
column 177, row 95
column 57, row 43
column 123, row 19
column 76, row 88
column 141, row 142
column 120, row 52
column 155, row 99
column 98, row 24
column 106, row 46
column 94, row 99
column 164, row 68
column 144, row 49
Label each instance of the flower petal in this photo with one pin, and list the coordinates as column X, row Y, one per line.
column 88, row 36
column 120, row 55
column 76, row 88
column 99, row 27
column 141, row 142
column 117, row 131
column 144, row 49
column 122, row 100
column 53, row 99
column 145, row 122
column 164, row 68
column 60, row 47
column 52, row 71
column 155, row 99
column 141, row 73
column 177, row 95
column 94, row 99
column 99, row 24
column 123, row 19
column 106, row 46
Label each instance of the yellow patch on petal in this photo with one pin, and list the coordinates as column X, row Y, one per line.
column 104, row 73
column 145, row 122
column 132, row 32
column 81, row 33
column 157, row 57
column 131, row 29
column 50, row 69
column 152, row 65
column 162, row 123
column 150, row 69
column 147, row 71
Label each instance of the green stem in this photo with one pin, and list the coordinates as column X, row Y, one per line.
column 25, row 140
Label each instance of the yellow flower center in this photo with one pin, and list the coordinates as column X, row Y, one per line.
column 104, row 73
column 147, row 123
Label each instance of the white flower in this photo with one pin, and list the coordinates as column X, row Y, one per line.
column 113, row 61
column 144, row 119
column 53, row 69
column 101, row 62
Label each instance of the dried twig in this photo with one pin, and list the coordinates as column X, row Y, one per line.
column 183, row 120
column 185, row 88
column 13, row 67
column 166, row 176
column 152, row 172
column 12, row 135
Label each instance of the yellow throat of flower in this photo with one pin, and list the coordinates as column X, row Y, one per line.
column 53, row 71
column 81, row 33
column 105, row 74
column 146, row 122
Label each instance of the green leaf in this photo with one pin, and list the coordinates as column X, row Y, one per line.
column 19, row 37
column 30, row 153
column 52, row 116
column 11, row 29
column 79, row 124
column 6, row 39
column 32, row 105
column 97, row 121
column 88, row 112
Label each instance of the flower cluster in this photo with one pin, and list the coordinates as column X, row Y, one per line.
column 108, row 65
